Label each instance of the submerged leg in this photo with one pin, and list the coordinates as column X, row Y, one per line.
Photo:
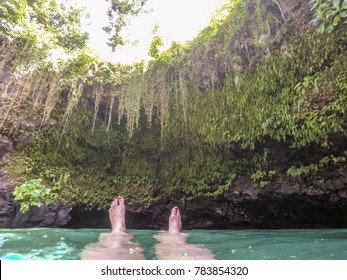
column 116, row 245
column 173, row 244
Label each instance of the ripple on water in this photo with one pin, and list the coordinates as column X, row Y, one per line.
column 49, row 244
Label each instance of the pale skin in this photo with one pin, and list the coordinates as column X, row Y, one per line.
column 173, row 244
column 118, row 245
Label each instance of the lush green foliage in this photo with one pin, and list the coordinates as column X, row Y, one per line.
column 31, row 193
column 153, row 49
column 61, row 21
column 55, row 24
column 195, row 120
column 314, row 168
column 12, row 12
column 328, row 14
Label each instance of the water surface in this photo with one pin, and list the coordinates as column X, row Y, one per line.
column 67, row 244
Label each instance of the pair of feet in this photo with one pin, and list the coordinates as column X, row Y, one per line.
column 117, row 217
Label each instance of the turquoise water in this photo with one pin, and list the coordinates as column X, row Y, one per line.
column 67, row 244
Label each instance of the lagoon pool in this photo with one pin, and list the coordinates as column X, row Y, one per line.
column 67, row 244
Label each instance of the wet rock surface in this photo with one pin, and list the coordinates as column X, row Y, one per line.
column 44, row 216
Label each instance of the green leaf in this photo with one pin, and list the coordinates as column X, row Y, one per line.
column 329, row 29
column 321, row 28
column 336, row 20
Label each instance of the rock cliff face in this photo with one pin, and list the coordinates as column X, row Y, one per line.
column 281, row 205
column 284, row 203
column 311, row 198
column 18, row 135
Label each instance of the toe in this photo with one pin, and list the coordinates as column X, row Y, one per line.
column 114, row 203
column 120, row 200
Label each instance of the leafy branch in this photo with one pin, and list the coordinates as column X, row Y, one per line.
column 328, row 13
column 31, row 193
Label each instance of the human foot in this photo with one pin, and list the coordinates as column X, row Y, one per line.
column 117, row 215
column 175, row 222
